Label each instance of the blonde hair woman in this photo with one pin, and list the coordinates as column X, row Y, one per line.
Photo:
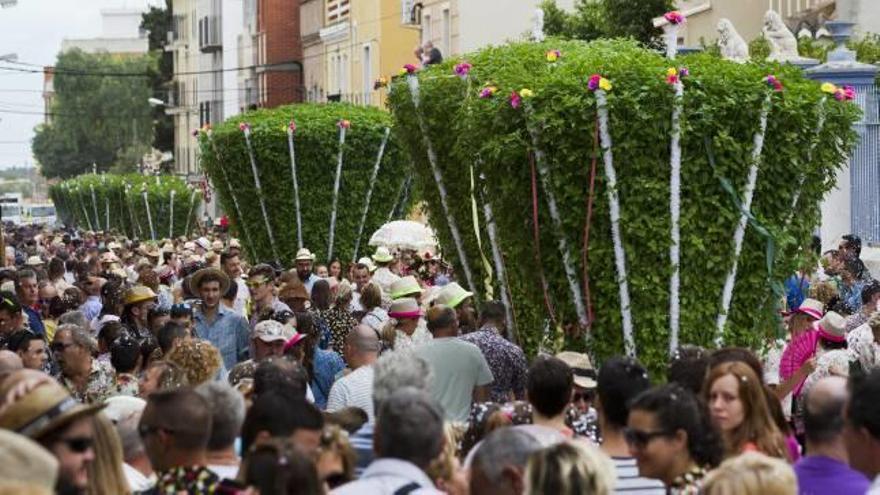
column 569, row 468
column 751, row 473
column 199, row 360
column 105, row 472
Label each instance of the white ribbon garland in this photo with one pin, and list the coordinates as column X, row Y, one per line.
column 192, row 206
column 171, row 216
column 85, row 211
column 670, row 37
column 336, row 182
column 241, row 220
column 357, row 242
column 250, row 148
column 127, row 200
column 614, row 212
column 413, row 84
column 820, row 124
column 107, row 212
column 489, row 217
column 292, row 151
column 675, row 214
column 739, row 234
column 574, row 284
column 149, row 215
column 95, row 207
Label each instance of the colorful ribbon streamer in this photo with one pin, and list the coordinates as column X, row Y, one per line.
column 292, row 151
column 336, row 183
column 675, row 216
column 258, row 186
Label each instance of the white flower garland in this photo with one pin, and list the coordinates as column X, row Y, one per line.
column 373, row 176
column 95, row 207
column 192, row 206
column 489, row 217
column 171, row 215
column 567, row 263
column 85, row 211
column 247, row 138
column 413, row 84
column 336, row 183
column 614, row 211
column 242, row 222
column 292, row 151
column 739, row 234
column 146, row 197
column 675, row 214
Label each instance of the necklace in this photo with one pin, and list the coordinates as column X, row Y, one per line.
column 688, row 483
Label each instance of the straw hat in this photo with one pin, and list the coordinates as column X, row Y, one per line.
column 25, row 461
column 152, row 252
column 452, row 295
column 44, row 409
column 405, row 307
column 109, row 257
column 139, row 293
column 203, row 243
column 114, row 246
column 304, row 255
column 382, row 255
column 812, row 307
column 34, row 261
column 123, row 406
column 217, row 246
column 235, row 243
column 405, row 286
column 367, row 262
column 581, row 367
column 832, row 327
column 295, row 290
column 197, row 277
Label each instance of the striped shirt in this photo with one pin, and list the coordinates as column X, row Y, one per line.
column 629, row 481
column 353, row 390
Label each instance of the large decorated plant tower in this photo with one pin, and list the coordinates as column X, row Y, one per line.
column 619, row 199
column 322, row 177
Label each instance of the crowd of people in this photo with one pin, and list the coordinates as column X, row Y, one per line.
column 176, row 368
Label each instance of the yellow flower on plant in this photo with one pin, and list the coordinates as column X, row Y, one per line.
column 552, row 56
column 671, row 72
column 526, row 93
column 604, row 84
column 828, row 88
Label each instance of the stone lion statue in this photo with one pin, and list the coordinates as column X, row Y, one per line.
column 733, row 47
column 783, row 44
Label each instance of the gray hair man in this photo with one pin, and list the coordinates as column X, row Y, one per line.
column 825, row 468
column 500, row 462
column 87, row 379
column 355, row 389
column 391, row 372
column 227, row 415
column 409, row 435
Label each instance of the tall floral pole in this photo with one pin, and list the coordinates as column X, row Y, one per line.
column 357, row 242
column 748, row 196
column 146, row 197
column 674, row 77
column 106, row 203
column 413, row 84
column 95, row 207
column 599, row 86
column 291, row 130
column 135, row 225
column 171, row 215
column 491, row 229
column 343, row 126
column 225, row 177
column 523, row 98
column 674, row 19
column 85, row 212
column 246, row 129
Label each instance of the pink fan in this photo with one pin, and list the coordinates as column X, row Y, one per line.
column 796, row 353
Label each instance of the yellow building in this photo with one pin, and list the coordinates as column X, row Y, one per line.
column 348, row 45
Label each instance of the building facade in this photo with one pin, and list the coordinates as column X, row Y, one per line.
column 120, row 34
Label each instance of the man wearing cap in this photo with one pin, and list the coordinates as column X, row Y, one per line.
column 583, row 392
column 224, row 328
column 383, row 274
column 47, row 414
column 230, row 262
column 506, row 360
column 304, row 260
column 139, row 300
column 28, row 292
column 454, row 296
column 267, row 339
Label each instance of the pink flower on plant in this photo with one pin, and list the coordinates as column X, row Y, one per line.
column 343, row 124
column 593, row 83
column 244, row 127
column 462, row 69
column 408, row 69
column 674, row 17
column 488, row 92
column 849, row 93
column 774, row 82
column 515, row 99
column 291, row 126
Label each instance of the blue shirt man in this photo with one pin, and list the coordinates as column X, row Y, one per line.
column 224, row 328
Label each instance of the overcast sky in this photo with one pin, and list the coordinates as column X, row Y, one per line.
column 33, row 30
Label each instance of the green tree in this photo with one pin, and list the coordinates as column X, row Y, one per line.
column 100, row 107
column 592, row 19
column 157, row 21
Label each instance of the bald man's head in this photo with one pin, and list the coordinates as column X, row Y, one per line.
column 363, row 339
column 823, row 414
column 9, row 363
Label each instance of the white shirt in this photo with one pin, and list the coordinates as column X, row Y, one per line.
column 384, row 277
column 353, row 390
column 386, row 476
column 875, row 487
column 241, row 298
column 137, row 482
column 355, row 304
column 224, row 472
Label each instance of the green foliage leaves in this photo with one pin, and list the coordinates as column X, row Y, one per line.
column 593, row 19
column 127, row 213
column 721, row 110
column 224, row 155
column 94, row 116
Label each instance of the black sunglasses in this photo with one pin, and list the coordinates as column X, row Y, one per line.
column 586, row 396
column 640, row 439
column 79, row 444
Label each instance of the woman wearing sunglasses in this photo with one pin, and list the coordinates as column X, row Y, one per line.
column 672, row 438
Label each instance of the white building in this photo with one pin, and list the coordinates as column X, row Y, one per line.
column 120, row 33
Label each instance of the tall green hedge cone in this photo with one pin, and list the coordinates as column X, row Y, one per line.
column 472, row 117
column 316, row 141
column 118, row 204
